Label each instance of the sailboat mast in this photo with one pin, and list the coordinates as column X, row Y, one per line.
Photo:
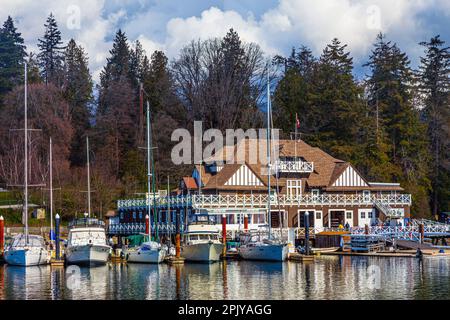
column 149, row 174
column 26, row 160
column 88, row 177
column 51, row 188
column 268, row 154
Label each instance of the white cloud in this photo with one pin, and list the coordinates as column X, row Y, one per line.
column 168, row 25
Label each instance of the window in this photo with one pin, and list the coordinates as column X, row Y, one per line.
column 318, row 215
column 140, row 215
column 294, row 188
column 134, row 214
column 349, row 214
column 366, row 195
column 315, row 193
column 363, row 215
column 370, row 215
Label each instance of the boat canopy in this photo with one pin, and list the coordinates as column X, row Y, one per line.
column 136, row 240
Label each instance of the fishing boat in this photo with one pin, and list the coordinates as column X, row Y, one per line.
column 201, row 242
column 25, row 249
column 87, row 242
column 263, row 245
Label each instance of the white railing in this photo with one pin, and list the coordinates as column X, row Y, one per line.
column 260, row 201
column 404, row 233
column 294, row 166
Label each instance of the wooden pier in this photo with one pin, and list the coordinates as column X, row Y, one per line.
column 300, row 257
column 172, row 260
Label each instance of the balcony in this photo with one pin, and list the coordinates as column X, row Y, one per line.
column 260, row 201
column 294, row 166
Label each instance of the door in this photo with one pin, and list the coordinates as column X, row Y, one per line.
column 318, row 221
column 349, row 218
column 336, row 218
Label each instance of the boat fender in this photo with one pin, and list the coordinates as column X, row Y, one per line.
column 126, row 257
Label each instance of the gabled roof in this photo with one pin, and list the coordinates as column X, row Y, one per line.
column 327, row 169
column 190, row 183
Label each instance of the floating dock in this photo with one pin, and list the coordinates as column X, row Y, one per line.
column 300, row 257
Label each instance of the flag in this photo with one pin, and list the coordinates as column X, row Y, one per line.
column 297, row 122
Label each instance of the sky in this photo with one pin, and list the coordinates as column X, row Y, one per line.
column 276, row 25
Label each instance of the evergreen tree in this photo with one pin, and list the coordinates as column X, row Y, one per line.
column 78, row 94
column 434, row 77
column 117, row 111
column 399, row 126
column 12, row 57
column 51, row 53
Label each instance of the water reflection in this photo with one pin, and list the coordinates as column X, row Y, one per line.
column 326, row 278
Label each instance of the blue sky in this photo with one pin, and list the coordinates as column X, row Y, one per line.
column 276, row 25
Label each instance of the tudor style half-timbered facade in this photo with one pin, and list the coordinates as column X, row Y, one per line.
column 303, row 179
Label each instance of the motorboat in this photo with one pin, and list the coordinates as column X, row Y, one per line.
column 87, row 242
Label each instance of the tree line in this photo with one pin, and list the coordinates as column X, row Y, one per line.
column 393, row 125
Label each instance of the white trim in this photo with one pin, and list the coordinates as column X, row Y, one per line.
column 350, row 178
column 244, row 177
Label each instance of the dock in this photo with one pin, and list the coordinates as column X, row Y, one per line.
column 231, row 256
column 300, row 257
column 172, row 260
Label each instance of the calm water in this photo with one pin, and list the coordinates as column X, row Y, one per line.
column 327, row 278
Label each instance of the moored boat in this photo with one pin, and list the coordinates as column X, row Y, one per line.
column 202, row 246
column 145, row 251
column 27, row 251
column 256, row 247
column 87, row 243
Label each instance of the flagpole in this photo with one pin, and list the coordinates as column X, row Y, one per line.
column 295, row 137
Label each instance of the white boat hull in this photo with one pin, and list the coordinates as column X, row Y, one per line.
column 27, row 257
column 202, row 252
column 266, row 252
column 87, row 254
column 150, row 256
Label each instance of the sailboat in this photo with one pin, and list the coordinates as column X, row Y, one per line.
column 262, row 245
column 87, row 236
column 149, row 251
column 25, row 249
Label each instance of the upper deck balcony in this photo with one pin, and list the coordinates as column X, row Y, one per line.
column 294, row 166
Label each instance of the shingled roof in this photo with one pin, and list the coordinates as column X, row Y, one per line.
column 326, row 168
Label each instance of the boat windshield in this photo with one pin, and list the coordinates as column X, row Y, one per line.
column 33, row 241
column 83, row 237
column 202, row 236
column 86, row 222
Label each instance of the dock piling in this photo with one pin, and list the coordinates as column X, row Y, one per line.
column 246, row 222
column 57, row 220
column 306, row 220
column 2, row 236
column 224, row 235
column 147, row 225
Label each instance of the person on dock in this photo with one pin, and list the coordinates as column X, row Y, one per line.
column 347, row 226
